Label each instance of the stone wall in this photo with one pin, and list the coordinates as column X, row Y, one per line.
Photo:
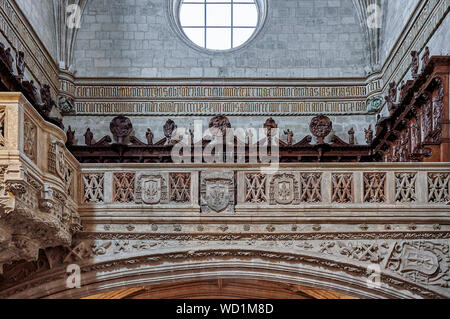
column 40, row 14
column 300, row 39
column 397, row 14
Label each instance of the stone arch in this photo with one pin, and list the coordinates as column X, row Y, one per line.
column 101, row 275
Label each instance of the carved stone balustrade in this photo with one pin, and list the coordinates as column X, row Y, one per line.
column 252, row 189
column 38, row 182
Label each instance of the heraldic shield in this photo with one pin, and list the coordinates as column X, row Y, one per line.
column 217, row 191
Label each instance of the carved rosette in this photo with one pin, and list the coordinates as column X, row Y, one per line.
column 217, row 192
column 121, row 128
column 321, row 127
column 152, row 189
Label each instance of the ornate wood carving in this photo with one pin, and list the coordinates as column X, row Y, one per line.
column 321, row 127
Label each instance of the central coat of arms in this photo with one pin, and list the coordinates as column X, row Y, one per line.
column 217, row 190
column 152, row 189
column 284, row 189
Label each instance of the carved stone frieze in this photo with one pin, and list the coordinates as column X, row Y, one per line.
column 217, row 192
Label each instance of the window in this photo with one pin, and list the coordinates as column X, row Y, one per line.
column 219, row 24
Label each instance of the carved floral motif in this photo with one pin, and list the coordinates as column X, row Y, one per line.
column 123, row 187
column 405, row 187
column 180, row 187
column 93, row 188
column 342, row 188
column 374, row 187
column 438, row 187
column 255, row 188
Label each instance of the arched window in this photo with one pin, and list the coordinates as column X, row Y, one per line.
column 219, row 25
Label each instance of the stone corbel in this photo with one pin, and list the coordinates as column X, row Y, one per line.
column 47, row 203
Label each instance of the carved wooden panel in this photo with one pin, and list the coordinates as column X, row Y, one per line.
column 123, row 187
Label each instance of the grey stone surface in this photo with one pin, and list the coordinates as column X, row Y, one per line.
column 300, row 39
column 40, row 14
column 397, row 14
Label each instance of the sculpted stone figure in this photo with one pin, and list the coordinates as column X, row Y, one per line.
column 88, row 137
column 20, row 64
column 121, row 128
column 149, row 135
column 270, row 126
